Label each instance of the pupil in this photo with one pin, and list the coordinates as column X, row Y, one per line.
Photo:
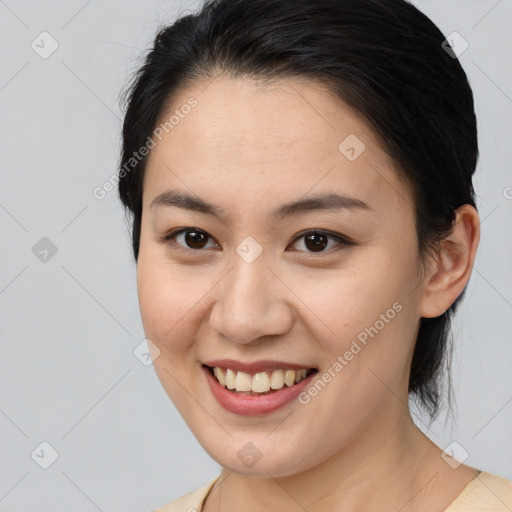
column 196, row 240
column 195, row 237
column 319, row 244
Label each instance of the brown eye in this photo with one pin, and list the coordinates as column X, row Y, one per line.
column 195, row 239
column 317, row 241
column 191, row 238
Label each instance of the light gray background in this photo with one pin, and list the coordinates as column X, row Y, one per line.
column 69, row 325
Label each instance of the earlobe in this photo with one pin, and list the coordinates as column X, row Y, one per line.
column 451, row 269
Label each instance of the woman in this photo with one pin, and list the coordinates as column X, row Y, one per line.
column 304, row 225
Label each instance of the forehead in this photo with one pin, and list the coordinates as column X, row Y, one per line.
column 240, row 117
column 268, row 139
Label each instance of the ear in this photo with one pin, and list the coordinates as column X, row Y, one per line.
column 449, row 271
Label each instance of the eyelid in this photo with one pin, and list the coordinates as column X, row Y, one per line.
column 170, row 237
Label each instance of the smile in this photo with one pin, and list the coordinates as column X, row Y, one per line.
column 261, row 392
column 258, row 383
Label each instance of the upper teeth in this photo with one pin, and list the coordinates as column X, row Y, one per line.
column 260, row 382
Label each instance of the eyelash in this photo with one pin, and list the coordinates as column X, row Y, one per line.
column 170, row 239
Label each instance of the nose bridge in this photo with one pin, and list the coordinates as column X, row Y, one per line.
column 249, row 278
column 250, row 302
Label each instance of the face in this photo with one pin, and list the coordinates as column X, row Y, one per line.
column 330, row 285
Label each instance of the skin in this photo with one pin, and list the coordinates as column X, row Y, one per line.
column 250, row 147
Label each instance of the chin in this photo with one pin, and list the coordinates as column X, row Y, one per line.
column 251, row 461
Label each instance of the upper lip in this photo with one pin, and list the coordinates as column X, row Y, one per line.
column 255, row 366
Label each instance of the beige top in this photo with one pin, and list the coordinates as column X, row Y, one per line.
column 485, row 493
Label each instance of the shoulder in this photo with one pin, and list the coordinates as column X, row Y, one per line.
column 190, row 502
column 485, row 492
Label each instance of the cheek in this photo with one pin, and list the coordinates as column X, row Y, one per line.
column 358, row 294
column 167, row 312
column 164, row 301
column 365, row 314
column 366, row 335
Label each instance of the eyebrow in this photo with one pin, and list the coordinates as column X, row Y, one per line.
column 319, row 202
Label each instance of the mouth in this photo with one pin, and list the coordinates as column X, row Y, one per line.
column 259, row 383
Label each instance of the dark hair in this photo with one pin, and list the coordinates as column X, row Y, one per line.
column 382, row 57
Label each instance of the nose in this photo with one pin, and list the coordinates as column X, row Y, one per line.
column 251, row 303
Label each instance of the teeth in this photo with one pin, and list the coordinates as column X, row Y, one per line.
column 277, row 379
column 243, row 382
column 289, row 377
column 261, row 382
column 220, row 375
column 230, row 378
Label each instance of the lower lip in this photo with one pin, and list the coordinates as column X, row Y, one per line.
column 252, row 405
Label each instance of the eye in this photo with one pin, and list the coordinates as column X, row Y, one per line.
column 316, row 241
column 193, row 238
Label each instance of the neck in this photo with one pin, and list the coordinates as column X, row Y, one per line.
column 390, row 466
